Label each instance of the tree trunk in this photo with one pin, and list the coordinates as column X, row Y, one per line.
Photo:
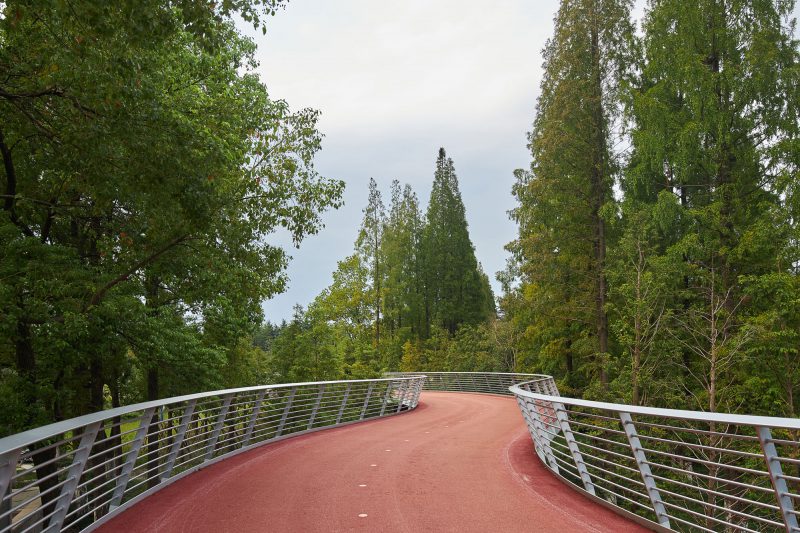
column 42, row 460
column 152, row 284
column 598, row 175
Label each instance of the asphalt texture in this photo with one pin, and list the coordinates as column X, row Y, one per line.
column 459, row 462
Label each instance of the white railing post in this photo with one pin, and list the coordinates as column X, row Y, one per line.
column 286, row 410
column 316, row 406
column 409, row 396
column 251, row 424
column 531, row 428
column 186, row 419
column 410, row 392
column 366, row 400
column 8, row 467
column 218, row 424
column 577, row 457
column 420, row 388
column 402, row 397
column 130, row 457
column 644, row 469
column 389, row 388
column 544, row 441
column 73, row 476
column 344, row 404
column 782, row 497
column 416, row 387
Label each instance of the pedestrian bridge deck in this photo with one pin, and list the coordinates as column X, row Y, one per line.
column 459, row 462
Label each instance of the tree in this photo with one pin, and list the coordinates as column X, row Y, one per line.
column 403, row 311
column 640, row 305
column 566, row 196
column 305, row 351
column 369, row 245
column 378, row 305
column 346, row 306
column 714, row 127
column 144, row 164
column 456, row 291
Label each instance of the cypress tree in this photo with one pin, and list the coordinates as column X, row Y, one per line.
column 715, row 127
column 455, row 291
column 562, row 199
column 369, row 246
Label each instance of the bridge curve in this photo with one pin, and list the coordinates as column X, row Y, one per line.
column 666, row 469
column 459, row 462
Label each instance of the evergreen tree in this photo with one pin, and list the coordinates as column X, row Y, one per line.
column 369, row 245
column 715, row 119
column 377, row 306
column 403, row 312
column 566, row 194
column 455, row 292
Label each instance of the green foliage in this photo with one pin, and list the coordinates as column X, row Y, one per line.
column 413, row 292
column 565, row 199
column 305, row 351
column 456, row 291
column 369, row 247
column 404, row 296
column 144, row 164
column 699, row 284
column 710, row 134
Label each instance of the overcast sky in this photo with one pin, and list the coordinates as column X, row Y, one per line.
column 394, row 82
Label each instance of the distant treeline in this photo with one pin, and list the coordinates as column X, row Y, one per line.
column 411, row 296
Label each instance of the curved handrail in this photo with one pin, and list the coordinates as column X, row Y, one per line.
column 677, row 469
column 674, row 469
column 78, row 473
column 484, row 382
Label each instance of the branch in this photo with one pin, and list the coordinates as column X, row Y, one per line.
column 11, row 187
column 51, row 204
column 101, row 292
column 52, row 91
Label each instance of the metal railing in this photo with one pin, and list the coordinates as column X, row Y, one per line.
column 76, row 474
column 485, row 382
column 680, row 470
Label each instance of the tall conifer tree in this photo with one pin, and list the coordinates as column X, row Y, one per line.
column 401, row 243
column 563, row 235
column 714, row 147
column 369, row 245
column 455, row 291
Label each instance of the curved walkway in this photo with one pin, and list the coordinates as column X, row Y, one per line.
column 460, row 462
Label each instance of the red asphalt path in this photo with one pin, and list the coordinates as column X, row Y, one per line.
column 459, row 462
